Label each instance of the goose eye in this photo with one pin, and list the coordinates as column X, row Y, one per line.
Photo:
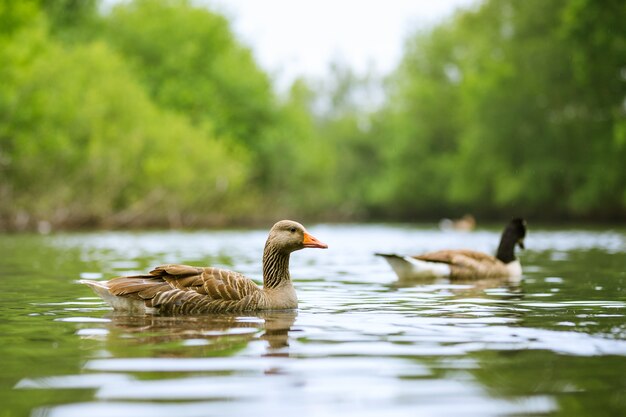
column 292, row 230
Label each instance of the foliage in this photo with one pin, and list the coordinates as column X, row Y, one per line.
column 81, row 143
column 190, row 62
column 153, row 113
column 517, row 107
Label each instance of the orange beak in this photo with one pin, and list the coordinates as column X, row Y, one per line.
column 311, row 242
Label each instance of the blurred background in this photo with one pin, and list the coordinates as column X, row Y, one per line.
column 171, row 113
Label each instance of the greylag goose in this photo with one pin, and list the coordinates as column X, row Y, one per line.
column 465, row 264
column 183, row 289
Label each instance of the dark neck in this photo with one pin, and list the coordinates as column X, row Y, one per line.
column 506, row 250
column 275, row 267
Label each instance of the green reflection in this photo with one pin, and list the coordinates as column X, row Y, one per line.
column 500, row 341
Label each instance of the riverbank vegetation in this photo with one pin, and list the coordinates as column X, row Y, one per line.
column 153, row 113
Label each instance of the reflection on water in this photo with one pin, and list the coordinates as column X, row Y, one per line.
column 510, row 288
column 361, row 343
column 219, row 333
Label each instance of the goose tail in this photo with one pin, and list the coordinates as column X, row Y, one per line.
column 99, row 287
column 131, row 305
column 407, row 267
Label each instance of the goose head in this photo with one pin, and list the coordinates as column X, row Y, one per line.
column 288, row 236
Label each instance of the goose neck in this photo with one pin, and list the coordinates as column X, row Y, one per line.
column 506, row 249
column 275, row 267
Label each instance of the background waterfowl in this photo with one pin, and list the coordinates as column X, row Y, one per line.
column 467, row 223
column 183, row 289
column 464, row 264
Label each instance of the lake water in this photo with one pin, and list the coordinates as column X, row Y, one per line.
column 361, row 343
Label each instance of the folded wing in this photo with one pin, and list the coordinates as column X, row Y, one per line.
column 183, row 289
column 452, row 256
column 467, row 264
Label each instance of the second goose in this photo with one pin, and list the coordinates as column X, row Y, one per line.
column 463, row 264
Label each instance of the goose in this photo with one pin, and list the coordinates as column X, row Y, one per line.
column 183, row 289
column 467, row 223
column 465, row 264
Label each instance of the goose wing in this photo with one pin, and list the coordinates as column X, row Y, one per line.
column 457, row 256
column 183, row 289
column 467, row 264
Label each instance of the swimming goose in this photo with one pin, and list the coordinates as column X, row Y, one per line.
column 464, row 264
column 183, row 289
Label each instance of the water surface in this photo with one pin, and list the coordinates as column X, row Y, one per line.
column 360, row 344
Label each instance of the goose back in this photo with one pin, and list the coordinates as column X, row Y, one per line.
column 183, row 289
column 468, row 264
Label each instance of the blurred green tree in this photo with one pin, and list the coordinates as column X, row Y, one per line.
column 191, row 62
column 154, row 113
column 514, row 107
column 81, row 142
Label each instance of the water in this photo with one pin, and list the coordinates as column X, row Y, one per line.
column 360, row 344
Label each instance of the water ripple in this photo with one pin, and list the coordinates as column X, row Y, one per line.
column 362, row 343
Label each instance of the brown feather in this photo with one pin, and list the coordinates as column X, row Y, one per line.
column 183, row 289
column 176, row 270
column 448, row 256
column 467, row 264
column 467, row 267
column 130, row 286
column 210, row 288
column 152, row 291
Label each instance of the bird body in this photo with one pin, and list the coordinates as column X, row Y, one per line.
column 464, row 264
column 467, row 223
column 182, row 289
